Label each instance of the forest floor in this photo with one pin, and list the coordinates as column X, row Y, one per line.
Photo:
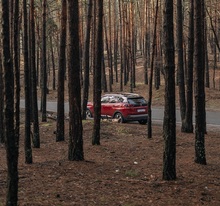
column 125, row 170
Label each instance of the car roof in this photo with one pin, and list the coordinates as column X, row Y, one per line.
column 124, row 94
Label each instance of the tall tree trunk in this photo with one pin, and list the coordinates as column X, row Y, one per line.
column 121, row 45
column 151, row 75
column 28, row 150
column 10, row 138
column 53, row 64
column 44, row 63
column 60, row 134
column 111, row 79
column 180, row 63
column 187, row 125
column 115, row 53
column 36, row 134
column 199, row 66
column 75, row 121
column 169, row 124
column 86, row 60
column 146, row 44
column 2, row 127
column 97, row 76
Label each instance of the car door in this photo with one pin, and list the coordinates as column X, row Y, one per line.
column 104, row 105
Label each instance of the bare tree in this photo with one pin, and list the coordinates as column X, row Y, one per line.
column 28, row 150
column 36, row 135
column 180, row 62
column 97, row 76
column 187, row 125
column 75, row 121
column 2, row 135
column 10, row 138
column 44, row 62
column 149, row 126
column 16, row 59
column 169, row 123
column 199, row 67
column 86, row 60
column 61, row 75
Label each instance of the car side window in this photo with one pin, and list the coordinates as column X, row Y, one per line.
column 113, row 100
column 105, row 100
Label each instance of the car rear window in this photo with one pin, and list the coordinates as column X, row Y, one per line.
column 137, row 101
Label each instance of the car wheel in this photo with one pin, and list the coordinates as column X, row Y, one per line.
column 88, row 114
column 143, row 121
column 118, row 116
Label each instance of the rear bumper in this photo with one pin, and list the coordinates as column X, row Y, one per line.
column 136, row 117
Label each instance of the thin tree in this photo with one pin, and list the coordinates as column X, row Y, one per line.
column 199, row 67
column 44, row 63
column 86, row 60
column 28, row 150
column 146, row 37
column 187, row 125
column 36, row 134
column 180, row 62
column 2, row 135
column 60, row 134
column 97, row 76
column 10, row 138
column 169, row 122
column 75, row 119
column 149, row 126
column 16, row 60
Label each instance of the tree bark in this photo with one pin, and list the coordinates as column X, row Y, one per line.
column 187, row 125
column 169, row 124
column 97, row 76
column 10, row 138
column 2, row 128
column 60, row 134
column 75, row 119
column 27, row 144
column 86, row 60
column 180, row 63
column 149, row 125
column 36, row 134
column 199, row 67
column 44, row 63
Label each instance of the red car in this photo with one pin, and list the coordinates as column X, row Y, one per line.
column 122, row 106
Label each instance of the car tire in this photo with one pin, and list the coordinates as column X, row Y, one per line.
column 143, row 121
column 88, row 114
column 119, row 117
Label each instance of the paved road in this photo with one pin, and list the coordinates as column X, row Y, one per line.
column 212, row 117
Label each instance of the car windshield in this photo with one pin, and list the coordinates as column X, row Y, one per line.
column 137, row 101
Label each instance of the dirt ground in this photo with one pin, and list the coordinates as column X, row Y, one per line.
column 125, row 170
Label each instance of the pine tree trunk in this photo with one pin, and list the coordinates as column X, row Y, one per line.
column 86, row 60
column 10, row 138
column 180, row 63
column 150, row 93
column 75, row 120
column 36, row 134
column 28, row 150
column 60, row 134
column 199, row 66
column 2, row 133
column 97, row 76
column 44, row 63
column 187, row 125
column 16, row 60
column 169, row 124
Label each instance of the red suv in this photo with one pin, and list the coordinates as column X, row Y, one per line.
column 122, row 106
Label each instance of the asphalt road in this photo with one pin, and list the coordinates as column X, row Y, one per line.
column 212, row 117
